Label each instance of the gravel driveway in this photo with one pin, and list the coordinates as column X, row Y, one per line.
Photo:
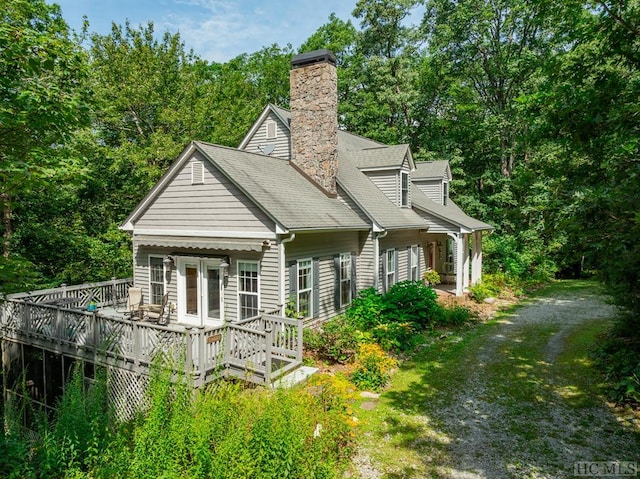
column 523, row 400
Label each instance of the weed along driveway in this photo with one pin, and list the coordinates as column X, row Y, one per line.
column 514, row 398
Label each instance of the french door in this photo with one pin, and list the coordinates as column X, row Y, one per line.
column 200, row 291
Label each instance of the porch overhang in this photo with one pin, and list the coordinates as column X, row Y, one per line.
column 187, row 242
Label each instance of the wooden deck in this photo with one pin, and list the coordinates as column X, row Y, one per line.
column 260, row 349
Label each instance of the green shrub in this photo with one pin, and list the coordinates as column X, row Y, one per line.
column 411, row 302
column 373, row 367
column 456, row 315
column 366, row 311
column 396, row 336
column 336, row 340
column 618, row 357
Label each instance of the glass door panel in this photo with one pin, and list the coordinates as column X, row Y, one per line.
column 213, row 292
column 191, row 289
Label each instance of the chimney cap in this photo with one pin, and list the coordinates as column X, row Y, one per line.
column 310, row 58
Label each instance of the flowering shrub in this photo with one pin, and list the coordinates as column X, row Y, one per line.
column 372, row 368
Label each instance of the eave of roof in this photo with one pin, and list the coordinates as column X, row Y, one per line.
column 451, row 213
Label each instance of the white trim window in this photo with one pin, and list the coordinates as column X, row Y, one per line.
column 391, row 260
column 414, row 262
column 404, row 188
column 345, row 279
column 445, row 193
column 305, row 288
column 156, row 279
column 248, row 289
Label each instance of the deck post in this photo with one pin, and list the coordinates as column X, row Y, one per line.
column 137, row 345
column 299, row 344
column 95, row 330
column 267, row 353
column 26, row 316
column 188, row 361
column 64, row 289
column 202, row 353
column 114, row 292
column 60, row 327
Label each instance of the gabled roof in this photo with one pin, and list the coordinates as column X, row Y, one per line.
column 381, row 157
column 280, row 190
column 283, row 115
column 427, row 170
column 450, row 213
column 272, row 184
column 371, row 200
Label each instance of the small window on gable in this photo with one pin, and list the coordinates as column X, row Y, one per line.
column 271, row 129
column 404, row 188
column 197, row 173
column 445, row 193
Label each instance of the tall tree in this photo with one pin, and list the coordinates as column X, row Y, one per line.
column 43, row 99
column 381, row 93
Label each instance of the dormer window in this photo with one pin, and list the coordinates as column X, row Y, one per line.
column 404, row 188
column 445, row 193
column 271, row 129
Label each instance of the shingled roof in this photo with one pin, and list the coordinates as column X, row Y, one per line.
column 450, row 212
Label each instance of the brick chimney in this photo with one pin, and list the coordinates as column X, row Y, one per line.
column 314, row 117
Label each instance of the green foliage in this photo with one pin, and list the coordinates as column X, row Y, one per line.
column 372, row 369
column 456, row 315
column 618, row 357
column 412, row 301
column 223, row 431
column 431, row 277
column 336, row 340
column 366, row 310
column 395, row 319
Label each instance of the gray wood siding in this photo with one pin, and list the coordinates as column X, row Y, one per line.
column 141, row 273
column 323, row 246
column 366, row 261
column 401, row 240
column 437, row 225
column 269, row 277
column 387, row 182
column 214, row 205
column 259, row 140
column 269, row 298
column 432, row 189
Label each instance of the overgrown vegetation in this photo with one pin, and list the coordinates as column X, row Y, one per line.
column 224, row 431
column 376, row 325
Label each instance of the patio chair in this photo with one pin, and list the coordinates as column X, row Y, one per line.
column 155, row 312
column 134, row 301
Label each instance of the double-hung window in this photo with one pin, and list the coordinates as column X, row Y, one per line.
column 156, row 279
column 404, row 188
column 391, row 267
column 345, row 279
column 248, row 289
column 414, row 266
column 305, row 288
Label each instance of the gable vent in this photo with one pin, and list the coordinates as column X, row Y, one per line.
column 197, row 173
column 271, row 130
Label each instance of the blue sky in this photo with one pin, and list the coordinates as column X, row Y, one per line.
column 216, row 30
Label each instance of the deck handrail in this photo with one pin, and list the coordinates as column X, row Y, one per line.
column 56, row 319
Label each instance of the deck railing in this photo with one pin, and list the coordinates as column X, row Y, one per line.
column 107, row 293
column 259, row 349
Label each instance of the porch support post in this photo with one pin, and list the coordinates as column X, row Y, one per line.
column 459, row 264
column 465, row 271
column 476, row 265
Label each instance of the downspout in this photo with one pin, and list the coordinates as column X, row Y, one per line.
column 281, row 257
column 376, row 256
